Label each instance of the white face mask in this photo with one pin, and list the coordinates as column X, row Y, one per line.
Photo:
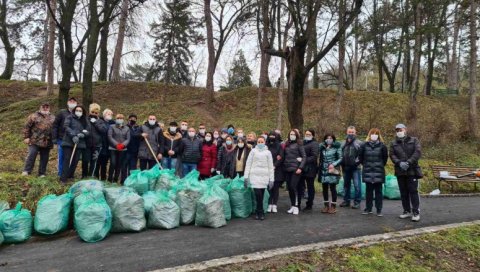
column 78, row 114
column 202, row 131
column 293, row 137
column 240, row 135
column 208, row 138
column 119, row 122
column 71, row 106
column 374, row 137
column 173, row 129
column 151, row 122
column 191, row 134
column 215, row 136
column 308, row 138
column 183, row 127
column 45, row 112
column 401, row 134
column 108, row 117
column 241, row 145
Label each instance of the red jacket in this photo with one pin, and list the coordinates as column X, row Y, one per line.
column 208, row 161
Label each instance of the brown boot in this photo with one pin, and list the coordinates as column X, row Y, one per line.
column 333, row 208
column 326, row 207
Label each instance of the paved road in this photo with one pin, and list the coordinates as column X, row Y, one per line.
column 154, row 249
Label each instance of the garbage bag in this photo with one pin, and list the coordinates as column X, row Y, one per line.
column 16, row 225
column 218, row 191
column 391, row 190
column 128, row 213
column 166, row 180
column 165, row 213
column 52, row 214
column 142, row 181
column 89, row 185
column 149, row 199
column 189, row 192
column 1, row 238
column 341, row 189
column 210, row 211
column 152, row 175
column 211, row 181
column 112, row 193
column 87, row 196
column 266, row 198
column 4, row 206
column 93, row 220
column 240, row 198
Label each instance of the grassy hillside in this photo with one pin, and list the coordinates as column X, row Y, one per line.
column 442, row 120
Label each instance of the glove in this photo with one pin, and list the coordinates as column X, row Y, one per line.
column 218, row 172
column 299, row 159
column 270, row 185
column 404, row 166
column 212, row 170
column 95, row 155
column 75, row 140
column 93, row 120
column 120, row 147
column 81, row 135
column 245, row 182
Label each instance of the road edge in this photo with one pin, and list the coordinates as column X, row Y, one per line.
column 361, row 241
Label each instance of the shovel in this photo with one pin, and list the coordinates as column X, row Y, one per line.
column 153, row 153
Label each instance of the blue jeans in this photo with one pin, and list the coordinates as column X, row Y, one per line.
column 132, row 161
column 188, row 167
column 169, row 163
column 60, row 157
column 348, row 175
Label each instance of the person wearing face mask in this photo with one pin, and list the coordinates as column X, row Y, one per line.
column 216, row 138
column 329, row 171
column 405, row 152
column 223, row 136
column 95, row 141
column 118, row 139
column 191, row 152
column 252, row 139
column 311, row 169
column 201, row 132
column 238, row 134
column 226, row 159
column 373, row 157
column 259, row 173
column 150, row 131
column 58, row 130
column 134, row 144
column 184, row 129
column 231, row 131
column 276, row 149
column 242, row 151
column 208, row 163
column 101, row 170
column 351, row 168
column 294, row 164
column 77, row 130
column 170, row 147
column 37, row 134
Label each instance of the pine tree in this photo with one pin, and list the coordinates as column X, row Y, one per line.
column 173, row 37
column 240, row 74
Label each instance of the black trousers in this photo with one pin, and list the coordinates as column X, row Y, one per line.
column 33, row 151
column 118, row 166
column 86, row 158
column 374, row 189
column 146, row 164
column 274, row 193
column 69, row 172
column 333, row 191
column 409, row 193
column 259, row 193
column 292, row 183
column 101, row 169
column 307, row 182
column 94, row 162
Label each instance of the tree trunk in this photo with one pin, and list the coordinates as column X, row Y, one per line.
column 117, row 56
column 43, row 73
column 296, row 80
column 90, row 56
column 210, row 98
column 452, row 71
column 51, row 48
column 9, row 49
column 472, row 113
column 341, row 60
column 406, row 59
column 355, row 58
column 264, row 62
column 103, row 73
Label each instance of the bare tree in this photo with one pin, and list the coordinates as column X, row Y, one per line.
column 117, row 56
column 472, row 113
column 51, row 47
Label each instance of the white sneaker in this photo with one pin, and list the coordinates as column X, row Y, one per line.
column 295, row 210
column 24, row 173
column 416, row 217
column 42, row 176
column 291, row 210
column 405, row 215
column 269, row 208
column 274, row 208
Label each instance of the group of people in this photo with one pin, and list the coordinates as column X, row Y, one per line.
column 121, row 144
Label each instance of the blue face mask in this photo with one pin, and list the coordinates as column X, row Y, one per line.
column 261, row 146
column 231, row 131
column 229, row 142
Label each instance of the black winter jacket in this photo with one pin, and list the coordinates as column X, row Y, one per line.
column 190, row 150
column 98, row 130
column 72, row 127
column 406, row 150
column 295, row 157
column 311, row 165
column 373, row 157
column 350, row 155
column 170, row 142
column 277, row 150
column 58, row 129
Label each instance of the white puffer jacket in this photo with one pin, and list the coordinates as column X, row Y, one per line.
column 259, row 168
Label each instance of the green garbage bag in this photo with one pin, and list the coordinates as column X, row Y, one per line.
column 89, row 185
column 142, row 181
column 16, row 225
column 218, row 191
column 128, row 213
column 166, row 180
column 165, row 213
column 212, row 180
column 152, row 174
column 112, row 193
column 150, row 198
column 87, row 196
column 52, row 214
column 391, row 190
column 189, row 192
column 1, row 238
column 210, row 212
column 93, row 220
column 266, row 198
column 4, row 206
column 341, row 189
column 240, row 198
